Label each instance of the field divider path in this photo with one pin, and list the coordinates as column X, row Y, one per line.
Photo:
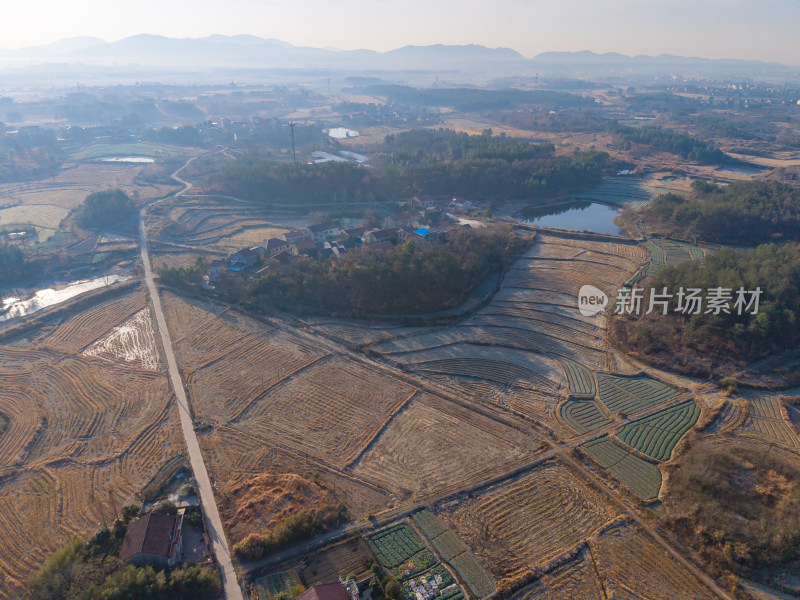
column 216, row 533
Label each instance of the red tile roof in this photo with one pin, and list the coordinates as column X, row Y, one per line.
column 326, row 591
column 149, row 534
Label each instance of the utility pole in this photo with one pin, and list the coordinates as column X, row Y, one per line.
column 294, row 152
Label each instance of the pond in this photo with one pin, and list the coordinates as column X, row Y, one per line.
column 128, row 159
column 18, row 307
column 579, row 215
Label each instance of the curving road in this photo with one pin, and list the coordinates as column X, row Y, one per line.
column 216, row 533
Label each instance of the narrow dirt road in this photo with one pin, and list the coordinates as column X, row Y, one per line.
column 216, row 533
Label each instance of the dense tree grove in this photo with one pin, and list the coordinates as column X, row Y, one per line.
column 688, row 341
column 102, row 209
column 670, row 141
column 404, row 280
column 424, row 161
column 743, row 213
column 90, row 570
column 12, row 263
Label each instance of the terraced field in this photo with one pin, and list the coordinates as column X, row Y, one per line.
column 765, row 420
column 657, row 434
column 583, row 415
column 664, row 252
column 639, row 476
column 422, row 450
column 528, row 522
column 579, row 379
column 635, row 568
column 629, row 395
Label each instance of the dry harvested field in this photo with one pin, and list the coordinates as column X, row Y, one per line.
column 575, row 580
column 423, row 449
column 338, row 561
column 764, row 420
column 641, row 477
column 527, row 523
column 76, row 333
column 84, row 436
column 633, row 566
column 133, row 342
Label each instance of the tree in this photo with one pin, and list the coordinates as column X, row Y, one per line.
column 106, row 208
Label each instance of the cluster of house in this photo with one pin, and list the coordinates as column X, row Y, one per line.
column 425, row 588
column 428, row 222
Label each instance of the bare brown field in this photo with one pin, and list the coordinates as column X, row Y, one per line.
column 633, row 566
column 337, row 561
column 83, row 438
column 423, row 451
column 515, row 527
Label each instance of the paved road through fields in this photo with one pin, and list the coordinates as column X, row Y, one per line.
column 216, row 533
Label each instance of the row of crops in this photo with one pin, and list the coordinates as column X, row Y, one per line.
column 665, row 253
column 639, row 476
column 631, row 394
column 579, row 378
column 394, row 546
column 453, row 550
column 657, row 434
column 277, row 583
column 583, row 415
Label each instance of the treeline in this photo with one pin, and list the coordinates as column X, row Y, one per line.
column 402, row 280
column 455, row 165
column 468, row 99
column 421, row 146
column 91, row 570
column 701, row 344
column 669, row 141
column 742, row 213
column 106, row 208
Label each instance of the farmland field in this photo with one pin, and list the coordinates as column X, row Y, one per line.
column 576, row 579
column 634, row 567
column 83, row 437
column 276, row 583
column 453, row 550
column 339, row 560
column 583, row 415
column 423, row 450
column 639, row 476
column 764, row 420
column 528, row 522
column 131, row 342
column 631, row 394
column 657, row 434
column 579, row 378
column 395, row 546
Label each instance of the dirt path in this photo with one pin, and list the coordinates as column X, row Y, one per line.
column 206, row 492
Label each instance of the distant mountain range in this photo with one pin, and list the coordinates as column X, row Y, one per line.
column 248, row 52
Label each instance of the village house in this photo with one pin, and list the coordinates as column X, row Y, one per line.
column 216, row 268
column 294, row 236
column 274, row 246
column 153, row 540
column 460, row 204
column 304, row 247
column 380, row 235
column 423, row 201
column 323, row 232
column 326, row 591
column 355, row 232
column 243, row 259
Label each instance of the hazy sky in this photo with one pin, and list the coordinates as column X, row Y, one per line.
column 763, row 29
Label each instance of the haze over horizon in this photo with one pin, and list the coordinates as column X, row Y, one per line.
column 704, row 28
